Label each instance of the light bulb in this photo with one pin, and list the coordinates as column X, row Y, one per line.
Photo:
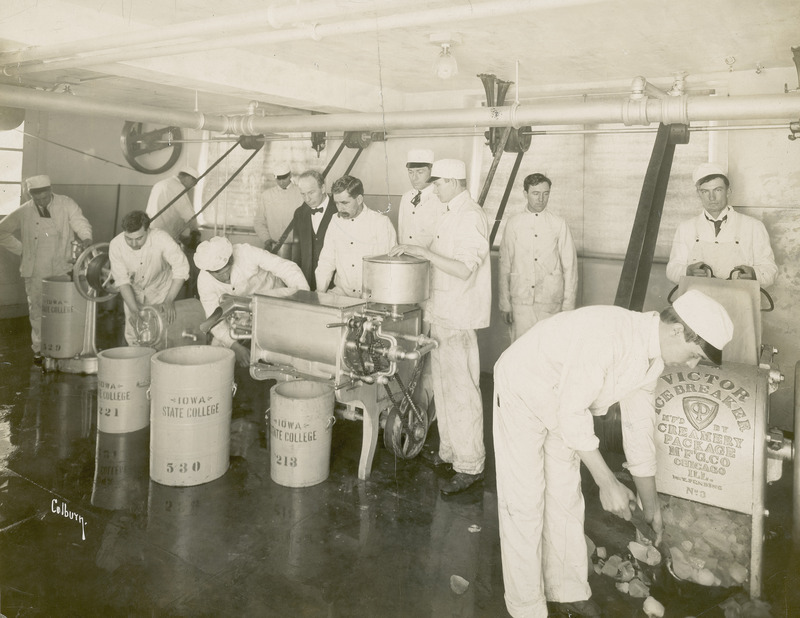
column 445, row 66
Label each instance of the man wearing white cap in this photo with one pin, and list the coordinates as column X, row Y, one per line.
column 354, row 233
column 547, row 386
column 173, row 220
column 47, row 224
column 720, row 241
column 538, row 262
column 459, row 303
column 148, row 267
column 420, row 209
column 417, row 217
column 240, row 270
column 275, row 210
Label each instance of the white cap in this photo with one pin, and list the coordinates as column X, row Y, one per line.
column 281, row 169
column 188, row 169
column 213, row 254
column 708, row 169
column 708, row 319
column 449, row 168
column 420, row 155
column 38, row 182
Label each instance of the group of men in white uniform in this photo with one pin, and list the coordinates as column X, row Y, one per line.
column 555, row 375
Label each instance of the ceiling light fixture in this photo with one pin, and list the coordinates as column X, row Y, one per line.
column 445, row 66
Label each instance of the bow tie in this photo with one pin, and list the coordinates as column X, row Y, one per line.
column 316, row 210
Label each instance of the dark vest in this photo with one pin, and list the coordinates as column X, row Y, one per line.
column 311, row 242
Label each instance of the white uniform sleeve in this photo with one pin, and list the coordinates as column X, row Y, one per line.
column 387, row 237
column 9, row 225
column 472, row 245
column 506, row 259
column 175, row 258
column 569, row 263
column 679, row 254
column 287, row 271
column 79, row 224
column 209, row 298
column 326, row 265
column 119, row 269
column 154, row 203
column 260, row 221
column 638, row 431
column 763, row 258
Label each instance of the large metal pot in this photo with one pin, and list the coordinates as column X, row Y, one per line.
column 399, row 280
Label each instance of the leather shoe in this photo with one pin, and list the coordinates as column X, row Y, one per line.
column 575, row 609
column 37, row 359
column 460, row 482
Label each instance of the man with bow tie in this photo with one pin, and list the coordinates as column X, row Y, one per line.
column 310, row 221
column 720, row 241
column 48, row 223
column 420, row 208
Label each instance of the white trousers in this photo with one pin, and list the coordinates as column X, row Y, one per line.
column 540, row 508
column 455, row 371
column 525, row 316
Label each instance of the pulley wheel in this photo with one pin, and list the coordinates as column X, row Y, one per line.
column 357, row 139
column 92, row 274
column 519, row 140
column 399, row 436
column 149, row 149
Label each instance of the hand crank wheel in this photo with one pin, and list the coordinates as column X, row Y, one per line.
column 92, row 274
column 400, row 436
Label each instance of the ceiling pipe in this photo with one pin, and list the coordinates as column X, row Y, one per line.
column 314, row 32
column 643, row 112
column 273, row 16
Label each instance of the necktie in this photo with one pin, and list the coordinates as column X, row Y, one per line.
column 718, row 224
column 416, row 198
column 316, row 210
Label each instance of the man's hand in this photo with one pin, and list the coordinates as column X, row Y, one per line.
column 743, row 272
column 86, row 243
column 658, row 525
column 507, row 317
column 699, row 269
column 242, row 354
column 415, row 250
column 269, row 245
column 168, row 307
column 616, row 498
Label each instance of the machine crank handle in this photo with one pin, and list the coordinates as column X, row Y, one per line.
column 395, row 354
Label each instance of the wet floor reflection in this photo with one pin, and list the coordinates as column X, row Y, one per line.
column 121, row 471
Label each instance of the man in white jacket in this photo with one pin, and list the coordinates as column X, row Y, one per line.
column 174, row 219
column 547, row 386
column 47, row 223
column 354, row 233
column 538, row 262
column 459, row 304
column 240, row 270
column 149, row 268
column 720, row 241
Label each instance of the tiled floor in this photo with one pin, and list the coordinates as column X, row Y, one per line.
column 85, row 532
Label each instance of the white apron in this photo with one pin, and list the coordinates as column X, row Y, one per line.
column 721, row 256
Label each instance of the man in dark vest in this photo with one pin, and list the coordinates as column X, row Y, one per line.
column 310, row 221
